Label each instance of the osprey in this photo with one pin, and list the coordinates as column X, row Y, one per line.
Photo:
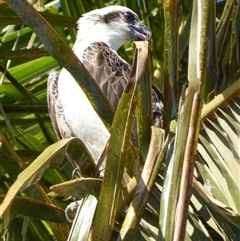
column 100, row 33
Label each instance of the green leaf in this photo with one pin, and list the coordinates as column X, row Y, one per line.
column 34, row 171
column 78, row 188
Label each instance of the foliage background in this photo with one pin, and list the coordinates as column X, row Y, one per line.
column 26, row 130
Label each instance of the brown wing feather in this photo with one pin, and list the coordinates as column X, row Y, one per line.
column 111, row 73
column 157, row 107
column 55, row 109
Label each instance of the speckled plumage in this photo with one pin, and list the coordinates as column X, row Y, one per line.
column 101, row 32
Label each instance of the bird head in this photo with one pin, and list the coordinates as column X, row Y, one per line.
column 113, row 25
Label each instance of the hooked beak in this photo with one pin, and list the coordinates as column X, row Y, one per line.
column 140, row 32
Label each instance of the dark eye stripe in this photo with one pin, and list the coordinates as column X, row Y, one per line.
column 112, row 16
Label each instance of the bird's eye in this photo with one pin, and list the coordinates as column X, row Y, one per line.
column 129, row 16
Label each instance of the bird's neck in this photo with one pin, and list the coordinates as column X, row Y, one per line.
column 88, row 34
